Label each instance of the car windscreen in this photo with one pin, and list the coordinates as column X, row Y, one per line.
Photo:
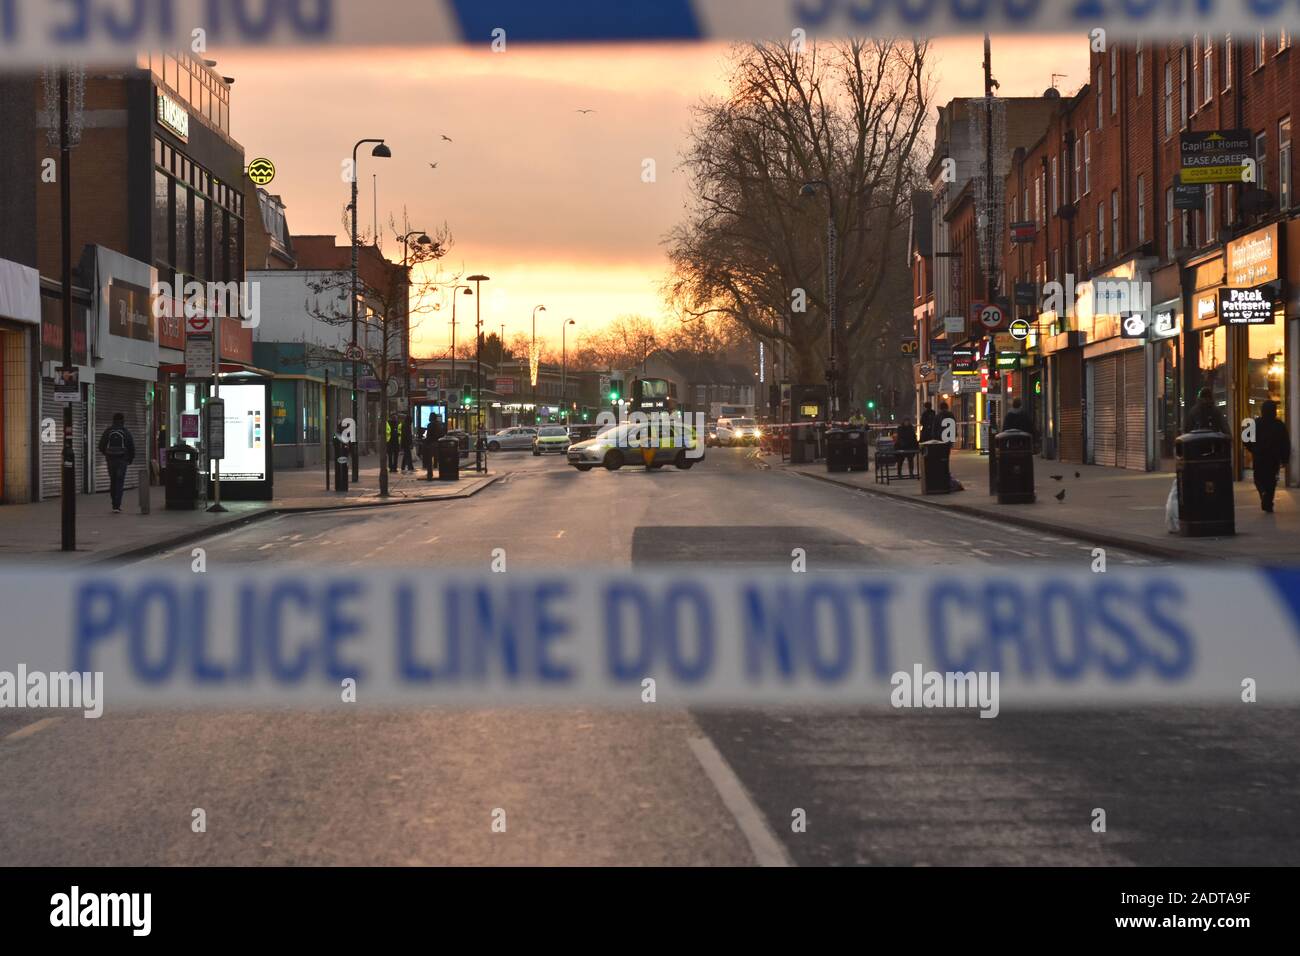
column 553, row 433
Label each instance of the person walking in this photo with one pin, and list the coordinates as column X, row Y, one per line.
column 906, row 446
column 392, row 438
column 1203, row 416
column 118, row 448
column 1018, row 418
column 927, row 421
column 1270, row 450
column 406, row 440
column 938, row 428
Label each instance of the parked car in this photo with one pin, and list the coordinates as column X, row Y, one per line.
column 551, row 438
column 738, row 431
column 512, row 438
column 627, row 444
column 583, row 432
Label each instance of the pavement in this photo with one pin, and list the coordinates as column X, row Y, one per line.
column 651, row 785
column 32, row 532
column 1112, row 507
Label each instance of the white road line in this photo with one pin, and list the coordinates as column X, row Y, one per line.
column 432, row 540
column 34, row 728
column 265, row 546
column 981, row 552
column 561, row 534
column 767, row 849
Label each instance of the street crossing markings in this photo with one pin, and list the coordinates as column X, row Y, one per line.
column 763, row 843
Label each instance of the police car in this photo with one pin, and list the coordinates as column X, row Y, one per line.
column 551, row 439
column 638, row 444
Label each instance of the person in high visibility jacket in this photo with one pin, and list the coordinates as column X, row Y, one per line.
column 393, row 440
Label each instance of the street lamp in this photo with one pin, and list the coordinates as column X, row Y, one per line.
column 807, row 191
column 480, row 443
column 532, row 355
column 564, row 369
column 454, row 290
column 381, row 152
column 422, row 239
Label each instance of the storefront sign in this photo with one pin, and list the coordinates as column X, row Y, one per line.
column 1133, row 326
column 505, row 386
column 130, row 311
column 965, row 361
column 261, row 171
column 1164, row 322
column 1252, row 259
column 1026, row 293
column 174, row 116
column 941, row 352
column 1247, row 306
column 1215, row 156
column 1207, row 309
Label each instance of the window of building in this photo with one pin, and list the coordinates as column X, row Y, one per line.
column 200, row 237
column 1283, row 40
column 1056, row 188
column 162, row 221
column 1087, row 162
column 1078, row 254
column 1284, row 162
column 1142, row 208
column 1114, row 86
column 1182, row 88
column 1141, row 67
column 1169, row 98
column 1196, row 71
column 1261, row 50
column 1228, row 60
column 220, row 261
column 183, row 249
column 1230, row 205
column 1056, row 265
column 1169, row 222
column 1114, row 222
column 1038, row 199
column 1101, row 232
column 1261, row 160
column 1087, row 251
column 1099, row 96
column 1207, row 70
column 1186, row 230
column 1078, row 169
column 1211, row 225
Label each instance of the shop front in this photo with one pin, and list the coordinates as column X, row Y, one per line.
column 20, row 328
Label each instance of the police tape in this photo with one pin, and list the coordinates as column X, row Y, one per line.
column 595, row 637
column 34, row 32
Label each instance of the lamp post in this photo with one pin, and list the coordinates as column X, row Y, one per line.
column 808, row 190
column 454, row 290
column 480, row 446
column 532, row 356
column 382, row 152
column 564, row 370
column 422, row 239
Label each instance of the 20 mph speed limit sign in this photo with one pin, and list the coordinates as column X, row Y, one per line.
column 991, row 317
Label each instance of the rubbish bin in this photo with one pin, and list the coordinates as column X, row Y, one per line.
column 855, row 448
column 1205, row 494
column 182, row 478
column 1013, row 450
column 837, row 449
column 935, row 478
column 448, row 459
column 342, row 465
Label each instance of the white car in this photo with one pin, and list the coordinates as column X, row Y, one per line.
column 738, row 431
column 636, row 444
column 507, row 438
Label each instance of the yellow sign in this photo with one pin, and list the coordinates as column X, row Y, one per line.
column 261, row 171
column 1212, row 174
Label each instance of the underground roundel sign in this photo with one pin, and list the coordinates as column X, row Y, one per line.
column 990, row 317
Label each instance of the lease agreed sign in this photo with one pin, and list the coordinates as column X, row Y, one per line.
column 1215, row 156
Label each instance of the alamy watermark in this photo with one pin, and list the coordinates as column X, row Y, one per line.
column 72, row 690
column 242, row 300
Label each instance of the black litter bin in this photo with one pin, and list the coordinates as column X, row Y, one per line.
column 448, row 459
column 837, row 449
column 1014, row 452
column 182, row 478
column 935, row 478
column 855, row 448
column 1205, row 486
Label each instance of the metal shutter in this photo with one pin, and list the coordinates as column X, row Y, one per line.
column 125, row 395
column 1069, row 370
column 1103, row 416
column 52, row 452
column 1134, row 410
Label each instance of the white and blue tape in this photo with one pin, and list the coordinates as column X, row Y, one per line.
column 578, row 638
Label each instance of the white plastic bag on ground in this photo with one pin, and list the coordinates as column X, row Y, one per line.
column 1171, row 509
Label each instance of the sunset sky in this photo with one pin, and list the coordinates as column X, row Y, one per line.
column 547, row 201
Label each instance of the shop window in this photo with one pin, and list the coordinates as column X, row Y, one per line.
column 1266, row 369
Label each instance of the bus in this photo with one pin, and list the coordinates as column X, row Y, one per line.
column 653, row 395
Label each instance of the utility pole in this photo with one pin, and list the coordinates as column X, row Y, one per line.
column 990, row 236
column 69, row 520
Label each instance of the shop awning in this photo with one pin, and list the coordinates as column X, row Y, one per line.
column 178, row 368
column 20, row 292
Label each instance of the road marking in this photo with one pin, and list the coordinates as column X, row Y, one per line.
column 35, row 728
column 561, row 534
column 265, row 546
column 432, row 540
column 981, row 552
column 767, row 849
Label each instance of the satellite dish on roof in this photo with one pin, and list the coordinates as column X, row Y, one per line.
column 1052, row 93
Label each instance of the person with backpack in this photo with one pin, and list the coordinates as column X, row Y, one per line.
column 118, row 448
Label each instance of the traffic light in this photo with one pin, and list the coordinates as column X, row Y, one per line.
column 615, row 389
column 467, row 397
column 871, row 404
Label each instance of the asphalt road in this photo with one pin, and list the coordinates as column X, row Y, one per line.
column 659, row 786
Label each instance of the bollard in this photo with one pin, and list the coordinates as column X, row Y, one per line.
column 143, row 488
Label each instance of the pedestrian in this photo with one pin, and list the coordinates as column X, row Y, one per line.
column 1018, row 418
column 405, row 439
column 940, row 429
column 393, row 439
column 1270, row 450
column 927, row 421
column 905, row 446
column 118, row 448
column 1203, row 415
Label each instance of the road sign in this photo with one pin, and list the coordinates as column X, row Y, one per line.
column 354, row 353
column 1020, row 330
column 394, row 386
column 991, row 316
column 199, row 355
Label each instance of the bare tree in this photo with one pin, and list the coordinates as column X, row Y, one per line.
column 848, row 116
column 387, row 300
